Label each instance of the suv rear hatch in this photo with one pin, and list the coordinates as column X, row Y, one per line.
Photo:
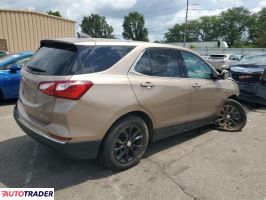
column 56, row 62
column 50, row 63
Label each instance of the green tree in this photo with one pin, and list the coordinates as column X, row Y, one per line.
column 134, row 27
column 55, row 13
column 96, row 26
column 234, row 23
column 257, row 28
column 209, row 28
column 176, row 34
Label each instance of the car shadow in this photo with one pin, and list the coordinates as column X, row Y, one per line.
column 26, row 163
column 8, row 102
column 254, row 107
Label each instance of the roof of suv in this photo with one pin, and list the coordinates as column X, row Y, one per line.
column 105, row 41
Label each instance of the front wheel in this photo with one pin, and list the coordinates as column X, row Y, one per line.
column 232, row 116
column 125, row 143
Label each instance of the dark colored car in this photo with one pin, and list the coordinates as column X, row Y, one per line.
column 250, row 74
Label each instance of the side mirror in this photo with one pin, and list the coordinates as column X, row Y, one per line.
column 14, row 68
column 224, row 74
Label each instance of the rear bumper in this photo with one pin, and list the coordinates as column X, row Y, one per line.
column 77, row 150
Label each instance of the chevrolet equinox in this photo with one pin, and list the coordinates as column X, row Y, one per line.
column 107, row 98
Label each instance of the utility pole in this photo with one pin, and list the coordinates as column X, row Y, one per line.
column 185, row 33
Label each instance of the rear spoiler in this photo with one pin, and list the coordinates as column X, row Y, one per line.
column 59, row 44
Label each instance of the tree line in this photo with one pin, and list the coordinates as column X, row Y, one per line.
column 238, row 26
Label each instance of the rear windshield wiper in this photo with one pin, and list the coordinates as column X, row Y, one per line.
column 35, row 69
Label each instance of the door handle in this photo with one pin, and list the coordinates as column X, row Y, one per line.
column 196, row 85
column 147, row 85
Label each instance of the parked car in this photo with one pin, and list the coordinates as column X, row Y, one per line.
column 106, row 98
column 18, row 58
column 250, row 74
column 205, row 57
column 9, row 83
column 3, row 54
column 222, row 61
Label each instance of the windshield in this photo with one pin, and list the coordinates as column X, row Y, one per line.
column 257, row 59
column 8, row 58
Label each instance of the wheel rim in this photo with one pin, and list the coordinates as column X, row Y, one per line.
column 128, row 144
column 229, row 117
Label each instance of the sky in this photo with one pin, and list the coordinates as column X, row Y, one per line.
column 160, row 15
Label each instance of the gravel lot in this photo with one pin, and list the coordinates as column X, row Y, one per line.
column 202, row 164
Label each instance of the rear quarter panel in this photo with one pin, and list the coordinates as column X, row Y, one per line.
column 106, row 101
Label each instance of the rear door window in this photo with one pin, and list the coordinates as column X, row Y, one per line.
column 98, row 58
column 159, row 62
column 143, row 65
column 164, row 62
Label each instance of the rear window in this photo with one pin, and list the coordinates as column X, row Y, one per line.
column 69, row 59
column 52, row 59
column 98, row 58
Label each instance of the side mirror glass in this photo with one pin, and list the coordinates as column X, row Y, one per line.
column 224, row 74
column 14, row 68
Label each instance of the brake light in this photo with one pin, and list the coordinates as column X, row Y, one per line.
column 65, row 89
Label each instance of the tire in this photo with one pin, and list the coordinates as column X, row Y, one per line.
column 125, row 144
column 1, row 96
column 232, row 116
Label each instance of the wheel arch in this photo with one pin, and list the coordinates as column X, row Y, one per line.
column 233, row 96
column 146, row 117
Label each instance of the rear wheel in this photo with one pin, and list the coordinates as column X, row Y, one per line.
column 125, row 143
column 232, row 116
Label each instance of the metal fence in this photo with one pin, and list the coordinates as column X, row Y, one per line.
column 237, row 51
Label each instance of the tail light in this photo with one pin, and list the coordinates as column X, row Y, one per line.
column 65, row 89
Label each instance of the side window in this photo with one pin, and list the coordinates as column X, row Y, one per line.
column 164, row 62
column 231, row 57
column 196, row 67
column 143, row 65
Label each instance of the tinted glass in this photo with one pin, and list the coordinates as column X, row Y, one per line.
column 143, row 65
column 217, row 56
column 98, row 58
column 52, row 60
column 164, row 62
column 196, row 67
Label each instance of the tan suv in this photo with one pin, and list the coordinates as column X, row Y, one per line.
column 110, row 98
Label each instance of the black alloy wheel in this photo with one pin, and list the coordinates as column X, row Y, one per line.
column 232, row 116
column 125, row 143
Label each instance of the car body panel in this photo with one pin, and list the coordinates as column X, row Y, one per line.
column 251, row 78
column 9, row 84
column 168, row 99
column 222, row 61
